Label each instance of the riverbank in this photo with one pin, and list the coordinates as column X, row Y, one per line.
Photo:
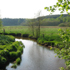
column 37, row 57
column 48, row 34
column 9, row 49
column 47, row 40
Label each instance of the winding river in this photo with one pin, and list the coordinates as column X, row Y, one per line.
column 37, row 57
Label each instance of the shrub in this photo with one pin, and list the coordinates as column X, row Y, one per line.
column 13, row 54
column 18, row 53
column 65, row 24
column 14, row 66
column 9, row 50
column 2, row 60
column 18, row 60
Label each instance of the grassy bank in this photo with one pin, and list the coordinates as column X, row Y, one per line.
column 9, row 49
column 49, row 35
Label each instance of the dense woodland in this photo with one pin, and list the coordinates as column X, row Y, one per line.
column 50, row 20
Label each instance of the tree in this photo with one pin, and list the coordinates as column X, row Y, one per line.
column 64, row 47
column 31, row 23
column 39, row 23
column 62, row 5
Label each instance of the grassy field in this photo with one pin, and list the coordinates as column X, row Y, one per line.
column 51, row 33
column 27, row 29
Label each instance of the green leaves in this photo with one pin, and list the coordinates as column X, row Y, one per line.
column 62, row 5
column 60, row 1
column 64, row 47
column 61, row 68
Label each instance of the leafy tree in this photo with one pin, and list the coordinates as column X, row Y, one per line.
column 63, row 50
column 62, row 5
column 31, row 23
column 39, row 23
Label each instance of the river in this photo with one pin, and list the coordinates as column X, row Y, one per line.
column 37, row 57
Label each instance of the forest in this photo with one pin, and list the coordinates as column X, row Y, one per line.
column 50, row 20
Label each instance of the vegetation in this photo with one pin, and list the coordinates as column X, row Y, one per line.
column 14, row 66
column 51, row 20
column 9, row 49
column 16, row 63
column 62, row 5
column 46, row 30
column 63, row 50
column 64, row 47
column 12, row 22
column 18, row 60
column 47, row 34
column 64, row 24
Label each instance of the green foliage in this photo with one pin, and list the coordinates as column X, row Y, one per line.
column 50, row 20
column 6, row 39
column 2, row 60
column 62, row 5
column 65, row 24
column 63, row 50
column 49, row 39
column 61, row 68
column 14, row 66
column 12, row 22
column 18, row 60
column 9, row 50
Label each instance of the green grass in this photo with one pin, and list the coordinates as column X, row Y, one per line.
column 27, row 30
column 15, row 29
column 50, row 33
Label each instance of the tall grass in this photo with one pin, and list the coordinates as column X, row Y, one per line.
column 47, row 33
column 27, row 30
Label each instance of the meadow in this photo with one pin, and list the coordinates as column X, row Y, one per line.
column 27, row 29
column 48, row 34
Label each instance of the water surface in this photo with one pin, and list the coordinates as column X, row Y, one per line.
column 36, row 57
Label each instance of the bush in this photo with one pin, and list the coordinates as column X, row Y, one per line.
column 18, row 53
column 9, row 50
column 2, row 60
column 14, row 66
column 6, row 39
column 65, row 24
column 18, row 60
column 13, row 54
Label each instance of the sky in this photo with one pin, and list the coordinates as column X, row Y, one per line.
column 24, row 8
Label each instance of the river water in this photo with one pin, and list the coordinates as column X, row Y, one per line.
column 37, row 57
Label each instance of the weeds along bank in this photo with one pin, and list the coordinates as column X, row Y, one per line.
column 48, row 35
column 9, row 49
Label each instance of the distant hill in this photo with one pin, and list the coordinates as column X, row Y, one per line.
column 12, row 22
column 50, row 20
column 55, row 16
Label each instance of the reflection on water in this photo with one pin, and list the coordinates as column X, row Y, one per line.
column 36, row 57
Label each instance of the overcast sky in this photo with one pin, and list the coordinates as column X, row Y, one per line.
column 24, row 8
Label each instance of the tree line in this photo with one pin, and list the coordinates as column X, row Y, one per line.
column 51, row 20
